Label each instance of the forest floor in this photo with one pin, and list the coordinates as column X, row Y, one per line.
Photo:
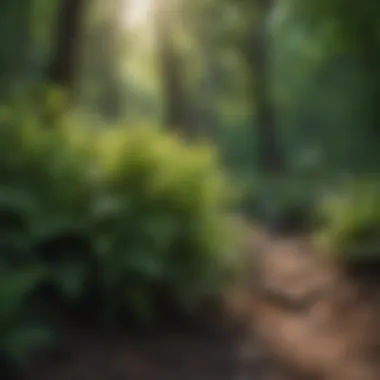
column 303, row 320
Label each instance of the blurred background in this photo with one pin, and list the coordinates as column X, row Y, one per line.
column 142, row 141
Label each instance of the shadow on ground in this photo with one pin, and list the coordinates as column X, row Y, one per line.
column 301, row 320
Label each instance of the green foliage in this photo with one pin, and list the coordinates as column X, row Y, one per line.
column 115, row 220
column 44, row 170
column 165, row 223
column 42, row 187
column 351, row 217
column 352, row 23
column 19, row 332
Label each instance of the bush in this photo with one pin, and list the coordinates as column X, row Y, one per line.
column 43, row 188
column 116, row 220
column 45, row 170
column 20, row 331
column 351, row 217
column 166, row 226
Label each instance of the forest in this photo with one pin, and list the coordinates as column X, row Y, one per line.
column 162, row 162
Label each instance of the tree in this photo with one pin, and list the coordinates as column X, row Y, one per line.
column 203, row 24
column 64, row 61
column 251, row 35
column 270, row 156
column 175, row 114
column 101, row 82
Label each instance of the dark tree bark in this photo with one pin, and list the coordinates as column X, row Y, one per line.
column 64, row 62
column 102, row 54
column 270, row 155
column 207, row 114
column 175, row 113
column 210, row 85
column 370, row 60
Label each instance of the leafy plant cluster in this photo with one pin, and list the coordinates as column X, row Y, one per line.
column 110, row 224
column 351, row 229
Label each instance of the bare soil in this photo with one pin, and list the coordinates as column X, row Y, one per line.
column 302, row 320
column 314, row 318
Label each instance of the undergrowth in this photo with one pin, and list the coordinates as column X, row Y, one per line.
column 107, row 223
column 351, row 229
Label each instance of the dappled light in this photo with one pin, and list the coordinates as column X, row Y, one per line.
column 189, row 189
column 137, row 13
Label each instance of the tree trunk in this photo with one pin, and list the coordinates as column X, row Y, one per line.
column 208, row 118
column 270, row 155
column 175, row 113
column 212, row 77
column 100, row 84
column 370, row 57
column 64, row 62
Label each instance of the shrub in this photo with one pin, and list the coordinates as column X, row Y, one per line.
column 43, row 188
column 20, row 331
column 351, row 216
column 166, row 227
column 120, row 217
column 45, row 170
column 44, row 185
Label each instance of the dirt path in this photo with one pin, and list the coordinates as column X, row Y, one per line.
column 168, row 355
column 313, row 318
column 305, row 322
